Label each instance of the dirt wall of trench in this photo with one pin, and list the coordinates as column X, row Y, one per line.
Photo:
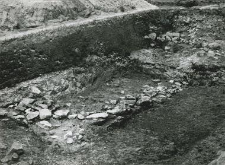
column 186, row 3
column 25, row 14
column 28, row 56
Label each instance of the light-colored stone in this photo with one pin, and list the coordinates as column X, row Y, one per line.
column 115, row 111
column 44, row 124
column 5, row 159
column 167, row 48
column 105, row 107
column 214, row 45
column 200, row 53
column 26, row 101
column 15, row 156
column 152, row 36
column 178, row 84
column 161, row 88
column 97, row 116
column 62, row 113
column 128, row 102
column 68, row 104
column 43, row 106
column 175, row 35
column 72, row 116
column 35, row 90
column 81, row 131
column 130, row 97
column 80, row 117
column 54, row 137
column 146, row 86
column 113, row 101
column 171, row 81
column 211, row 53
column 156, row 80
column 144, row 99
column 28, row 110
column 80, row 137
column 32, row 115
column 68, row 134
column 52, row 132
column 19, row 117
column 45, row 114
column 69, row 140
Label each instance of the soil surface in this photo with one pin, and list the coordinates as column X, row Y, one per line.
column 185, row 3
column 21, row 15
column 163, row 105
column 186, row 129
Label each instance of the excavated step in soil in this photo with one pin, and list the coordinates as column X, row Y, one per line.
column 158, row 102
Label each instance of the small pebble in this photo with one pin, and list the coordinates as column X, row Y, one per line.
column 80, row 137
column 54, row 137
column 15, row 156
column 122, row 92
column 81, row 131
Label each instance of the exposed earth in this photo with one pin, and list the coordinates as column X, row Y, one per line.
column 22, row 15
column 163, row 105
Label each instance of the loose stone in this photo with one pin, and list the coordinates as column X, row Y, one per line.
column 72, row 116
column 129, row 97
column 15, row 156
column 62, row 113
column 26, row 102
column 35, row 90
column 80, row 117
column 214, row 45
column 45, row 114
column 43, row 106
column 44, row 124
column 54, row 137
column 19, row 117
column 68, row 134
column 32, row 115
column 97, row 115
column 69, row 140
column 115, row 111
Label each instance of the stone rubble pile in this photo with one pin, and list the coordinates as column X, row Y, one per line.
column 35, row 108
column 71, row 136
column 41, row 109
column 132, row 104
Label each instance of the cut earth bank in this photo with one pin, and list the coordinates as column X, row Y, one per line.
column 20, row 15
column 160, row 104
column 185, row 3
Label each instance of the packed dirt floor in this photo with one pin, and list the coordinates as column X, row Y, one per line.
column 163, row 105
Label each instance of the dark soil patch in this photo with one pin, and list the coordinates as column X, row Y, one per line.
column 164, row 134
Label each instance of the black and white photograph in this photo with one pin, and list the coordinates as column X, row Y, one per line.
column 112, row 82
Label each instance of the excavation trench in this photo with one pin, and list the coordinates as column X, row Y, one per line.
column 158, row 76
